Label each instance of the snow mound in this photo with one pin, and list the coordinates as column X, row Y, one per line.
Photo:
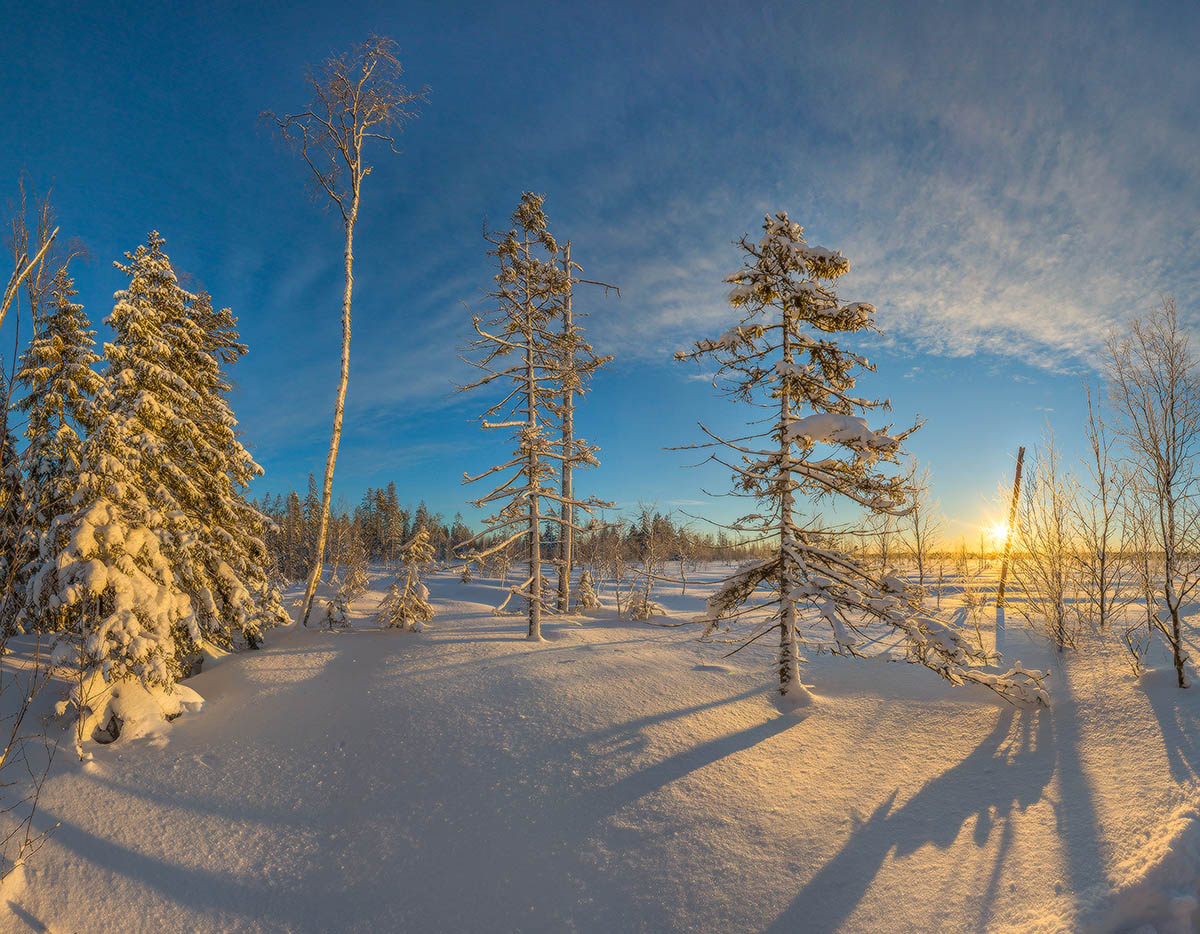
column 127, row 710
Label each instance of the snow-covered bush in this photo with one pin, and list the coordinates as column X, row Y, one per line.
column 642, row 606
column 465, row 576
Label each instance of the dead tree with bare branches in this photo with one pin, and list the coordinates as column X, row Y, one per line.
column 517, row 348
column 579, row 361
column 1046, row 563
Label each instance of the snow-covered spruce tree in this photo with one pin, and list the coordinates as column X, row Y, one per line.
column 517, row 348
column 337, row 609
column 357, row 580
column 13, row 520
column 578, row 360
column 354, row 584
column 782, row 355
column 387, row 606
column 407, row 606
column 57, row 386
column 165, row 367
column 586, row 599
column 102, row 569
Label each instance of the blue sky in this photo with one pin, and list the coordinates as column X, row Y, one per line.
column 1009, row 181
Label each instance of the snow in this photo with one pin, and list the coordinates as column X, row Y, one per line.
column 831, row 427
column 618, row 777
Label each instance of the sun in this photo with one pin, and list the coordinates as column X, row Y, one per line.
column 998, row 533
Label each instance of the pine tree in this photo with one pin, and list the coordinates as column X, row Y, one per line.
column 102, row 570
column 783, row 355
column 295, row 538
column 387, row 608
column 357, row 581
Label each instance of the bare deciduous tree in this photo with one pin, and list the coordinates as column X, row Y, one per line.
column 1153, row 386
column 1045, row 560
column 1098, row 508
column 358, row 100
column 923, row 525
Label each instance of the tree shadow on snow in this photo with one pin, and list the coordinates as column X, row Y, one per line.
column 639, row 784
column 30, row 919
column 1177, row 722
column 193, row 888
column 1007, row 771
column 621, row 733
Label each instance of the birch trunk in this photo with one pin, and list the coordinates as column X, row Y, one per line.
column 314, row 575
column 566, row 538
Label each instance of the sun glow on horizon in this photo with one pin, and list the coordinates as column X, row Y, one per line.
column 998, row 533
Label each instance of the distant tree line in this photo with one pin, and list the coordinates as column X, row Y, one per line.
column 377, row 529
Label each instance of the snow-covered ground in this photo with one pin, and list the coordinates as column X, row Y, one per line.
column 622, row 777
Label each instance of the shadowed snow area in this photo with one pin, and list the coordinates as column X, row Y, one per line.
column 622, row 777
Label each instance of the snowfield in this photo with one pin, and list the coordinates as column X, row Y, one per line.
column 623, row 777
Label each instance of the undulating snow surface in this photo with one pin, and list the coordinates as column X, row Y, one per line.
column 622, row 777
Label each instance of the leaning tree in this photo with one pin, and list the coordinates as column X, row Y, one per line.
column 783, row 355
column 358, row 100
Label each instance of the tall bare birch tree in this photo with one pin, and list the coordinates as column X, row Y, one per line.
column 518, row 349
column 782, row 355
column 1153, row 386
column 358, row 101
